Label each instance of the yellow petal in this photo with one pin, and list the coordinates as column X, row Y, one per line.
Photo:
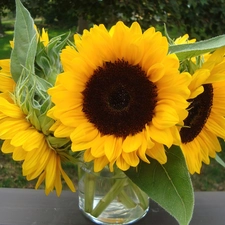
column 100, row 163
column 156, row 72
column 88, row 157
column 50, row 171
column 216, row 125
column 132, row 143
column 121, row 164
column 35, row 141
column 67, row 180
column 40, row 180
column 158, row 153
column 19, row 154
column 131, row 158
column 58, row 181
column 83, row 134
column 166, row 116
column 199, row 78
column 109, row 147
column 21, row 137
column 60, row 130
column 192, row 156
column 97, row 149
column 161, row 136
column 6, row 131
column 141, row 152
column 9, row 109
column 7, row 147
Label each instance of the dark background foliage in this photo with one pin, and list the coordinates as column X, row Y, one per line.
column 200, row 19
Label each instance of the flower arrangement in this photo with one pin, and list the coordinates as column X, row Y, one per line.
column 136, row 102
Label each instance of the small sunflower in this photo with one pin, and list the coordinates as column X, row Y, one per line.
column 31, row 146
column 120, row 96
column 41, row 158
column 44, row 38
column 205, row 121
column 196, row 60
column 184, row 40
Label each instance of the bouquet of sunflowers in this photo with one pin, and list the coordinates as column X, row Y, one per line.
column 128, row 100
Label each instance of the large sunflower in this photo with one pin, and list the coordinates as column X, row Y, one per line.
column 120, row 96
column 25, row 142
column 205, row 121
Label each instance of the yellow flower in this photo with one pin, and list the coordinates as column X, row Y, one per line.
column 27, row 143
column 184, row 40
column 205, row 121
column 44, row 37
column 11, row 44
column 120, row 96
column 6, row 81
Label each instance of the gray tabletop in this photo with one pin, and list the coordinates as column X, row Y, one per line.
column 33, row 207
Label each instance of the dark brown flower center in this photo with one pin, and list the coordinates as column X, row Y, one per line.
column 119, row 99
column 199, row 111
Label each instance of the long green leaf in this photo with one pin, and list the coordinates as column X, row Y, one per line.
column 219, row 160
column 25, row 42
column 185, row 51
column 169, row 185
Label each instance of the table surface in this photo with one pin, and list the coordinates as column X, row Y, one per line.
column 33, row 207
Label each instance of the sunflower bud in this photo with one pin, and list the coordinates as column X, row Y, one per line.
column 31, row 96
column 47, row 62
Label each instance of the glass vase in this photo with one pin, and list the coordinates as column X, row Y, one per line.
column 110, row 197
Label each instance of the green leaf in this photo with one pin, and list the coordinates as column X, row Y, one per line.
column 169, row 185
column 185, row 51
column 31, row 53
column 25, row 42
column 219, row 160
column 48, row 58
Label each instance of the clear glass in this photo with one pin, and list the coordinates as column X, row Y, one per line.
column 110, row 198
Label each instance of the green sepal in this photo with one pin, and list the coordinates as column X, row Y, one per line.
column 189, row 66
column 48, row 64
column 32, row 97
column 169, row 184
column 39, row 102
column 25, row 42
column 185, row 51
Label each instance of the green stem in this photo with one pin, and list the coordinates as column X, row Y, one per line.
column 126, row 200
column 141, row 195
column 89, row 191
column 109, row 197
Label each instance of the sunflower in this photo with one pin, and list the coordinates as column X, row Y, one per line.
column 196, row 60
column 44, row 38
column 31, row 146
column 184, row 40
column 120, row 96
column 41, row 158
column 205, row 121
